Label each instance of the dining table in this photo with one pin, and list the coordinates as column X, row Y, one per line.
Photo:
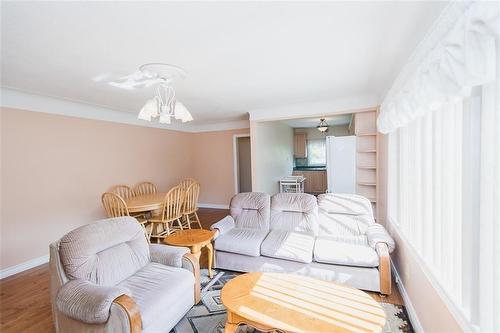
column 145, row 202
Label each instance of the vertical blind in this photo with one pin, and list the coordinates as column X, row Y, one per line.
column 444, row 197
column 425, row 193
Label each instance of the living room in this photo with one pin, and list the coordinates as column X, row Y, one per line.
column 143, row 144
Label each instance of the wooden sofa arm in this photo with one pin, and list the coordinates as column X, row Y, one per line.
column 132, row 310
column 196, row 271
column 384, row 268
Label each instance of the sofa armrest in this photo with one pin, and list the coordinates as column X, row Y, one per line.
column 87, row 302
column 384, row 268
column 223, row 226
column 191, row 263
column 377, row 234
column 167, row 255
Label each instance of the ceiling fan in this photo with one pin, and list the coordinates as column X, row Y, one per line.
column 164, row 105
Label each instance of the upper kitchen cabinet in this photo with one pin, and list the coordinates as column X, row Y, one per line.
column 300, row 145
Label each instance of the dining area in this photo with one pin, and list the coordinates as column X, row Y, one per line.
column 159, row 213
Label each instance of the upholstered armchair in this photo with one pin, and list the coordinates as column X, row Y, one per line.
column 105, row 277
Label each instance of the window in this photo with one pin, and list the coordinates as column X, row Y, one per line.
column 434, row 197
column 316, row 152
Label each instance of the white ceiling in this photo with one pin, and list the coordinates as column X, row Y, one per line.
column 344, row 119
column 239, row 55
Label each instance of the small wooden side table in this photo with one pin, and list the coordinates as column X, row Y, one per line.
column 195, row 239
column 294, row 303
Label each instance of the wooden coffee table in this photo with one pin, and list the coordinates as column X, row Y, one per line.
column 293, row 303
column 195, row 239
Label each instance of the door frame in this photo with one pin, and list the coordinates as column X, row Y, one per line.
column 235, row 160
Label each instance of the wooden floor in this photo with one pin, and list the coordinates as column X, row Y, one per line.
column 24, row 297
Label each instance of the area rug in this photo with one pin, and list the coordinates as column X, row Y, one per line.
column 209, row 315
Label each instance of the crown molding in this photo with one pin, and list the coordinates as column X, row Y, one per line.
column 316, row 109
column 16, row 99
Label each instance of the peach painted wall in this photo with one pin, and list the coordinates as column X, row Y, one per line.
column 55, row 168
column 213, row 165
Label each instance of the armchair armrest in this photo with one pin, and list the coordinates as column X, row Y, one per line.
column 377, row 234
column 223, row 226
column 167, row 255
column 88, row 302
column 191, row 263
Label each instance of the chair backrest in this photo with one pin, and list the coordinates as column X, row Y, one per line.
column 251, row 210
column 294, row 212
column 185, row 183
column 191, row 199
column 172, row 205
column 114, row 205
column 105, row 252
column 123, row 191
column 145, row 188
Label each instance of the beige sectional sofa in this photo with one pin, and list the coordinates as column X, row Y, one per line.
column 333, row 237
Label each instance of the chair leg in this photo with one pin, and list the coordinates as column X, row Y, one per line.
column 188, row 221
column 197, row 219
column 180, row 223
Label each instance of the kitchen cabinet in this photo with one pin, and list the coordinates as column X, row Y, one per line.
column 315, row 182
column 300, row 145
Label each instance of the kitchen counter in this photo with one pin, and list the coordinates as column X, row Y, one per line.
column 310, row 168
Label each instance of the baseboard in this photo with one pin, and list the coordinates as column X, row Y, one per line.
column 217, row 206
column 415, row 323
column 23, row 266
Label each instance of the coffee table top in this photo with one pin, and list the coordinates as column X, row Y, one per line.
column 295, row 303
column 189, row 237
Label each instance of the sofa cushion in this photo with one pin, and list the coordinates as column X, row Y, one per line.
column 332, row 224
column 241, row 240
column 351, row 204
column 290, row 245
column 350, row 251
column 105, row 252
column 294, row 212
column 164, row 294
column 251, row 210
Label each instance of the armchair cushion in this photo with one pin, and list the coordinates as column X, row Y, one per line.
column 349, row 204
column 376, row 233
column 105, row 252
column 223, row 226
column 167, row 255
column 87, row 302
column 163, row 293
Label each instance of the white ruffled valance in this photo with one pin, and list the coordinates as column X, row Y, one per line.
column 458, row 54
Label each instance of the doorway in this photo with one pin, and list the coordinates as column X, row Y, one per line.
column 242, row 163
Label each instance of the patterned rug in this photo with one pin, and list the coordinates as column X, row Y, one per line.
column 209, row 315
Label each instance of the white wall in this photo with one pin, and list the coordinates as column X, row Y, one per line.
column 313, row 133
column 272, row 155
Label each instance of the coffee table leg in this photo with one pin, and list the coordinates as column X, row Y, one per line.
column 230, row 327
column 210, row 256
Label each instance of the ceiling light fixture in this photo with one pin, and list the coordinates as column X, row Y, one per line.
column 164, row 105
column 322, row 126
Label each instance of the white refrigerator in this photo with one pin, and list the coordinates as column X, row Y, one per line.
column 341, row 164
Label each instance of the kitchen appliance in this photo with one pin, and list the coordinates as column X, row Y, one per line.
column 341, row 164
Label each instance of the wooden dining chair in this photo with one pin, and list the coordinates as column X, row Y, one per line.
column 185, row 183
column 145, row 188
column 171, row 214
column 115, row 206
column 190, row 206
column 123, row 191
